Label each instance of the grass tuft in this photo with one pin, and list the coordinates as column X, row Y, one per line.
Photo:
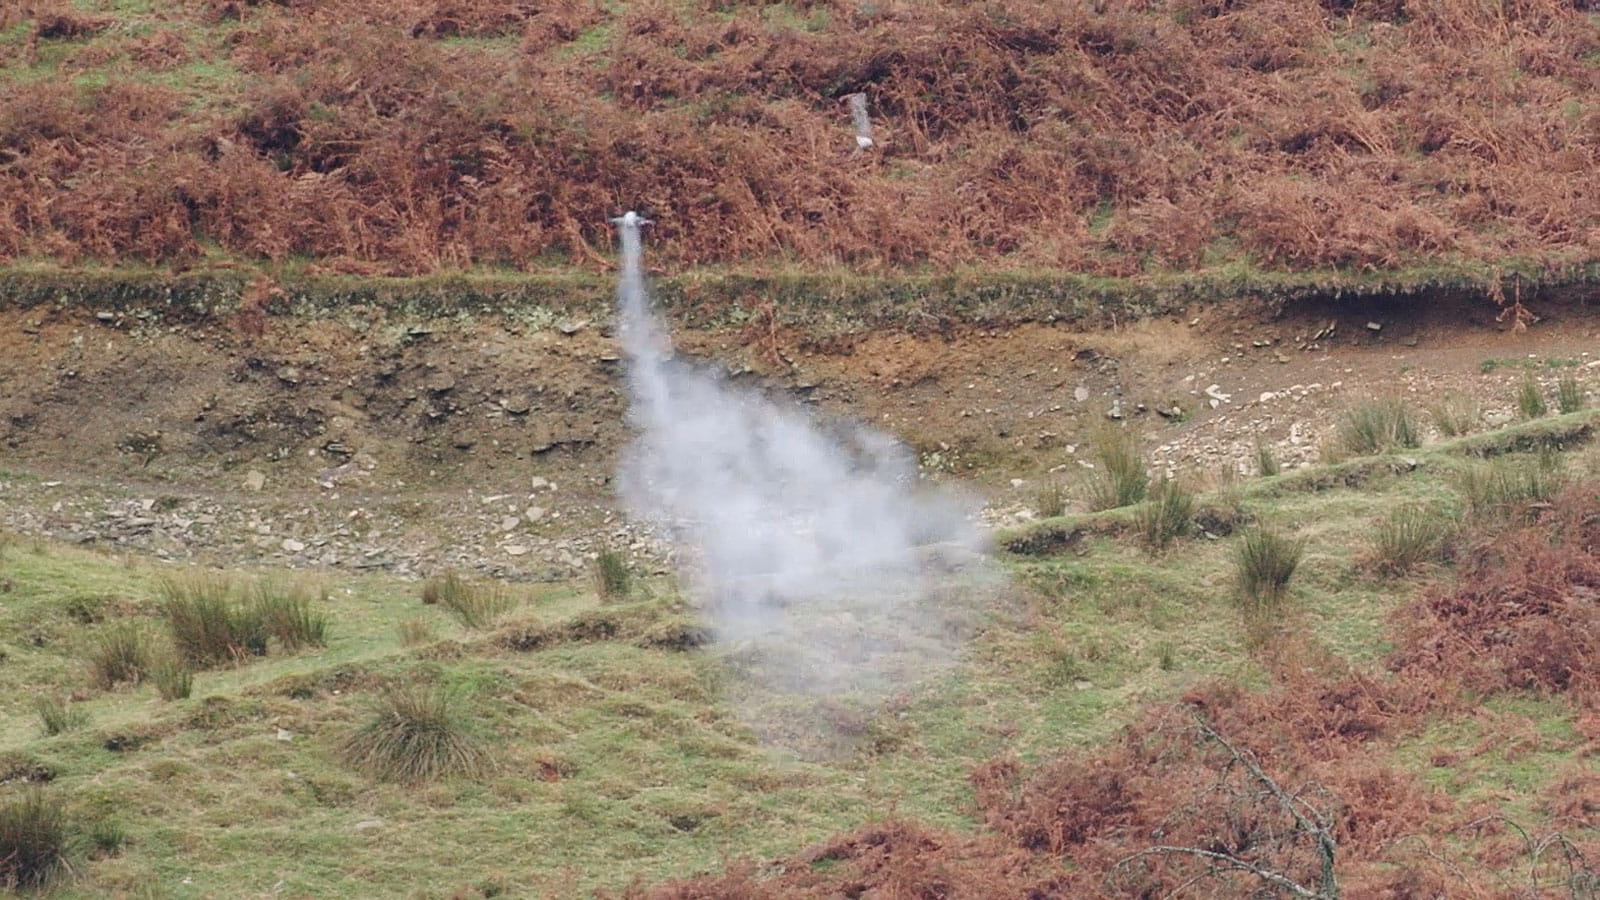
column 1456, row 415
column 1167, row 514
column 1119, row 477
column 286, row 615
column 476, row 605
column 1530, row 399
column 1509, row 487
column 1375, row 427
column 416, row 734
column 106, row 838
column 1570, row 395
column 611, row 576
column 173, row 677
column 119, row 654
column 209, row 628
column 1407, row 538
column 1051, row 499
column 415, row 632
column 1264, row 561
column 1266, row 462
column 33, row 842
column 57, row 715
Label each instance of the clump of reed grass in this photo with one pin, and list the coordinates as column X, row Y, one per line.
column 416, row 734
column 287, row 615
column 119, row 654
column 1264, row 563
column 1508, row 488
column 173, row 677
column 1456, row 415
column 611, row 576
column 57, row 715
column 1266, row 461
column 1050, row 500
column 1119, row 477
column 1530, row 399
column 476, row 605
column 1166, row 515
column 414, row 632
column 209, row 626
column 1570, row 395
column 1408, row 537
column 33, row 842
column 1375, row 427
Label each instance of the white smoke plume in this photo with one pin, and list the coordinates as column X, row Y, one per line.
column 826, row 569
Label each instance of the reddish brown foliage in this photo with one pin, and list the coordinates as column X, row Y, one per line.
column 1525, row 612
column 1113, row 138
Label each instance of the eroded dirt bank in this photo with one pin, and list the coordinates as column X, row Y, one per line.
column 480, row 443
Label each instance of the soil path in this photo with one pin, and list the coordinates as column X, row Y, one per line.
column 410, row 446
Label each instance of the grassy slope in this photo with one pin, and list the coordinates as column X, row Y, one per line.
column 620, row 761
column 421, row 136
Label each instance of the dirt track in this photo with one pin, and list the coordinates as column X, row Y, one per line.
column 408, row 446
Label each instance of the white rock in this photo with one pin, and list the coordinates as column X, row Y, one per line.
column 538, row 484
column 292, row 545
column 1080, row 393
column 533, row 513
column 254, row 480
column 515, row 550
column 510, row 522
column 285, row 735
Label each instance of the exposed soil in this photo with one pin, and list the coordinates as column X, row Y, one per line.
column 410, row 445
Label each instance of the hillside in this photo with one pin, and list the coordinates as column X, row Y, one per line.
column 1113, row 138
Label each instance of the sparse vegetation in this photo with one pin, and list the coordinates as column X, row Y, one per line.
column 33, row 841
column 1266, row 461
column 1456, row 415
column 1530, row 399
column 173, row 677
column 610, row 574
column 416, row 734
column 1408, row 537
column 1264, row 562
column 58, row 715
column 477, row 605
column 1570, row 395
column 118, row 654
column 286, row 614
column 209, row 626
column 1167, row 514
column 1119, row 477
column 1507, row 487
column 1375, row 427
column 1050, row 500
column 415, row 632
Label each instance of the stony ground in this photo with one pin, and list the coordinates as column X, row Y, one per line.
column 482, row 445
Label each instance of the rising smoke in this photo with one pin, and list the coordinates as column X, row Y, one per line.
column 828, row 571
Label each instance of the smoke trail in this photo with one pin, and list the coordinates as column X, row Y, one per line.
column 825, row 570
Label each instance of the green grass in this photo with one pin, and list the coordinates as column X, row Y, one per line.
column 1119, row 477
column 1375, row 427
column 33, row 841
column 612, row 580
column 416, row 733
column 1530, row 399
column 1265, row 561
column 618, row 756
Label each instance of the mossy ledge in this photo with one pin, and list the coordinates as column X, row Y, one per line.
column 835, row 300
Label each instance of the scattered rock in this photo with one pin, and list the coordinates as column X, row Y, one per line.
column 368, row 825
column 1080, row 393
column 515, row 550
column 254, row 480
column 292, row 545
column 1374, row 326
